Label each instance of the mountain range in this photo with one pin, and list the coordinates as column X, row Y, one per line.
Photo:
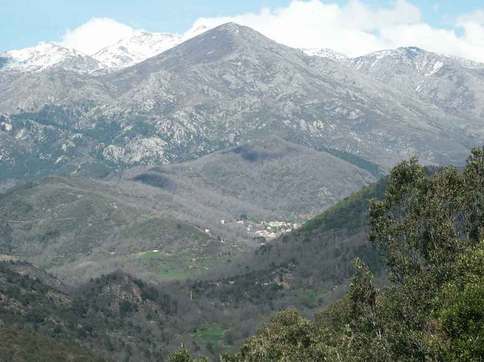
column 172, row 190
column 225, row 126
column 161, row 138
column 225, row 87
column 134, row 49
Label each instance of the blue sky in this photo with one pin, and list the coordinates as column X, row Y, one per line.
column 455, row 27
column 26, row 22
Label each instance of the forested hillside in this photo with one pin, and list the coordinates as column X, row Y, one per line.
column 208, row 315
column 430, row 229
column 24, row 345
column 172, row 221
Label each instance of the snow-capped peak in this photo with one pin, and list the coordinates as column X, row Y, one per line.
column 326, row 53
column 422, row 61
column 47, row 55
column 126, row 52
column 141, row 46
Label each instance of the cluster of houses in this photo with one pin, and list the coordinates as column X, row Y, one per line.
column 266, row 230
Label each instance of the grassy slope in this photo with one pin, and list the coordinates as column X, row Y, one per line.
column 79, row 227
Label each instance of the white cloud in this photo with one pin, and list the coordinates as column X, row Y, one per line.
column 353, row 29
column 357, row 29
column 95, row 35
column 473, row 25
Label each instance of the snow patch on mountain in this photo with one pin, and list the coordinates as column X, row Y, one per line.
column 326, row 53
column 424, row 62
column 124, row 53
column 135, row 49
column 47, row 55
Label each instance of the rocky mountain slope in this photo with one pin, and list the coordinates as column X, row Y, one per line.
column 454, row 85
column 246, row 84
column 223, row 87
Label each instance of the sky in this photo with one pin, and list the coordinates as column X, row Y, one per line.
column 352, row 27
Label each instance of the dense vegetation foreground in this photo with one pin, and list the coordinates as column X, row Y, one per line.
column 430, row 229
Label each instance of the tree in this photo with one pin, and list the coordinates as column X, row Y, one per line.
column 424, row 225
column 182, row 355
column 288, row 337
column 474, row 194
column 429, row 226
column 461, row 310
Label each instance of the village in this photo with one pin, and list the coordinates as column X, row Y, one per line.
column 265, row 231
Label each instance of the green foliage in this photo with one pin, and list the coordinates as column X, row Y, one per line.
column 430, row 229
column 350, row 213
column 288, row 337
column 461, row 313
column 425, row 222
column 371, row 167
column 424, row 226
column 209, row 334
column 183, row 355
column 362, row 292
column 474, row 195
column 21, row 345
column 310, row 298
column 115, row 315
